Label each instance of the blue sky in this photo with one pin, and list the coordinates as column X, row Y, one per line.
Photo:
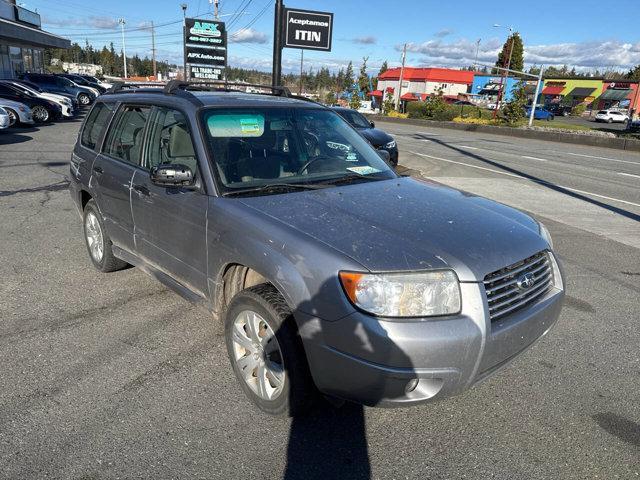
column 587, row 34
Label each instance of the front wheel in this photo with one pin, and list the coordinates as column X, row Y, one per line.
column 84, row 99
column 266, row 352
column 13, row 117
column 610, row 120
column 40, row 114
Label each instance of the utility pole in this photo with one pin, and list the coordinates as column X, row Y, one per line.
column 477, row 51
column 301, row 66
column 404, row 56
column 124, row 49
column 215, row 8
column 535, row 96
column 276, row 74
column 153, row 48
column 184, row 39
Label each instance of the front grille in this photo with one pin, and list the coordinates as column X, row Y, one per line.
column 504, row 293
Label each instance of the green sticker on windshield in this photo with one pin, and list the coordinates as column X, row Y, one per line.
column 236, row 125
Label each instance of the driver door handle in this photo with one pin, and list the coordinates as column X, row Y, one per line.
column 98, row 170
column 141, row 189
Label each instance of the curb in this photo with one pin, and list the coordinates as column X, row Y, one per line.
column 628, row 144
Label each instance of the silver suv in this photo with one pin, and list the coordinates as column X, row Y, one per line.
column 331, row 273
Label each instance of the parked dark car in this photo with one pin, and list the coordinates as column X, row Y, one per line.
column 42, row 110
column 38, row 88
column 380, row 139
column 81, row 80
column 559, row 110
column 331, row 273
column 59, row 84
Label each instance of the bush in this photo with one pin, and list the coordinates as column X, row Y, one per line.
column 434, row 108
column 394, row 114
column 476, row 121
column 578, row 110
column 514, row 111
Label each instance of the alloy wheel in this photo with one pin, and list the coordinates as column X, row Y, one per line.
column 93, row 234
column 84, row 99
column 40, row 114
column 13, row 118
column 257, row 354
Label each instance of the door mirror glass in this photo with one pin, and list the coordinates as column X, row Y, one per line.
column 385, row 156
column 172, row 175
column 373, row 124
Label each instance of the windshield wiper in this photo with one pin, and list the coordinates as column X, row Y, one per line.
column 351, row 177
column 275, row 187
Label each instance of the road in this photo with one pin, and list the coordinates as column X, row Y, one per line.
column 113, row 376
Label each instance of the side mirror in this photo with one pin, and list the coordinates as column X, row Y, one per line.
column 384, row 155
column 373, row 124
column 172, row 175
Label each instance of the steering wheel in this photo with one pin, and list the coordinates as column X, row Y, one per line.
column 309, row 162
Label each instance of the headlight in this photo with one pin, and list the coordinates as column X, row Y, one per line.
column 419, row 294
column 544, row 233
column 391, row 144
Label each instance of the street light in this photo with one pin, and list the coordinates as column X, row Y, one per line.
column 124, row 48
column 184, row 39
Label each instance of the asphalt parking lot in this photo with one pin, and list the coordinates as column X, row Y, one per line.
column 114, row 376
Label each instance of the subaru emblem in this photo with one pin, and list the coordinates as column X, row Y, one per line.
column 526, row 281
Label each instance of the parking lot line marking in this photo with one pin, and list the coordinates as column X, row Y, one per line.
column 470, row 148
column 628, row 174
column 600, row 158
column 535, row 158
column 542, row 182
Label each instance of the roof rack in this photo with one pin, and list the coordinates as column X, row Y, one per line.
column 120, row 87
column 223, row 86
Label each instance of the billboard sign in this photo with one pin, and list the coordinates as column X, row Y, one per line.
column 205, row 49
column 308, row 29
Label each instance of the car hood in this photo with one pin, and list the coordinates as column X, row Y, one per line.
column 376, row 137
column 407, row 224
column 5, row 102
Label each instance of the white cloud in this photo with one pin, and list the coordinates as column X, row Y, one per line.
column 584, row 55
column 366, row 40
column 248, row 35
column 443, row 33
column 92, row 22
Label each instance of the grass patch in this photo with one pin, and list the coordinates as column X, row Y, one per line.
column 558, row 124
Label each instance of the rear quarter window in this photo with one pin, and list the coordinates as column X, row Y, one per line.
column 94, row 126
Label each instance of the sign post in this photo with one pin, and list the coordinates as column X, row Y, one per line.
column 205, row 44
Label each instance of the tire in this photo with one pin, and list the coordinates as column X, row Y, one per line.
column 98, row 242
column 610, row 120
column 14, row 119
column 274, row 354
column 84, row 99
column 40, row 114
column 550, row 117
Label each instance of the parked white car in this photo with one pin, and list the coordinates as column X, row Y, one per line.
column 5, row 120
column 611, row 116
column 65, row 104
column 18, row 112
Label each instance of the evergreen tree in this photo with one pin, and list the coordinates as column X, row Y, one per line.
column 363, row 78
column 517, row 57
column 383, row 68
column 513, row 111
column 634, row 73
column 348, row 77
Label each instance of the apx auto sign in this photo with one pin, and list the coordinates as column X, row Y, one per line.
column 205, row 48
column 308, row 29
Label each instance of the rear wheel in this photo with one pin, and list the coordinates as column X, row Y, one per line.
column 266, row 352
column 610, row 120
column 40, row 114
column 98, row 242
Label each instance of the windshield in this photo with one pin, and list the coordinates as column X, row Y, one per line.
column 355, row 119
column 258, row 147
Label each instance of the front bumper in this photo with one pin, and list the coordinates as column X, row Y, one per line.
column 393, row 154
column 389, row 363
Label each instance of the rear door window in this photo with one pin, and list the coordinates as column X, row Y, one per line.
column 95, row 125
column 126, row 136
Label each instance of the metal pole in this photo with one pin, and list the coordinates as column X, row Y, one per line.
column 153, row 49
column 404, row 56
column 215, row 9
column 124, row 48
column 276, row 75
column 184, row 40
column 535, row 96
column 301, row 66
column 477, row 51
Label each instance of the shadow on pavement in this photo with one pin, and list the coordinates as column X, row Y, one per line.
column 539, row 181
column 616, row 425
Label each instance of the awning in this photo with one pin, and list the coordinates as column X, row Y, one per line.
column 16, row 32
column 552, row 90
column 410, row 97
column 376, row 93
column 613, row 94
column 581, row 92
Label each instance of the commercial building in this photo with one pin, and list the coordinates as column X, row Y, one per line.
column 22, row 40
column 419, row 83
column 485, row 88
